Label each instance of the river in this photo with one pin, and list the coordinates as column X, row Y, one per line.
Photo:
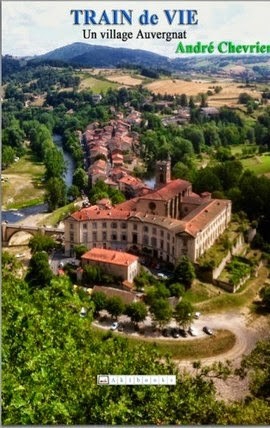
column 12, row 216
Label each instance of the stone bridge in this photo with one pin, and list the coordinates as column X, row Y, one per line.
column 9, row 230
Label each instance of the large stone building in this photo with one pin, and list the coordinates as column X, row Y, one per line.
column 167, row 223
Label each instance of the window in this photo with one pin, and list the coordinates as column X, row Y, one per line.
column 161, row 233
column 145, row 228
column 84, row 225
column 104, row 225
column 145, row 240
column 134, row 238
column 124, row 225
column 71, row 236
column 153, row 242
column 104, row 236
column 123, row 237
column 168, row 236
column 94, row 225
column 114, row 237
column 161, row 244
column 154, row 230
column 185, row 241
column 94, row 236
column 134, row 226
column 71, row 226
column 152, row 206
column 114, row 226
column 85, row 237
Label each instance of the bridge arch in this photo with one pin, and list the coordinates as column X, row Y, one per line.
column 27, row 233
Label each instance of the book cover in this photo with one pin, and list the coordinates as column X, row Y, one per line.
column 135, row 212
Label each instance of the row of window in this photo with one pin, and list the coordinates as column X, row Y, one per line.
column 114, row 225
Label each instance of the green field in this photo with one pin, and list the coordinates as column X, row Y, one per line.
column 23, row 186
column 181, row 349
column 258, row 164
column 237, row 150
column 96, row 85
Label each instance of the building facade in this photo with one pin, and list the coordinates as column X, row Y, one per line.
column 120, row 264
column 167, row 223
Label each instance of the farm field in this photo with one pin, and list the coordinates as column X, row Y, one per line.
column 127, row 80
column 258, row 164
column 96, row 85
column 228, row 96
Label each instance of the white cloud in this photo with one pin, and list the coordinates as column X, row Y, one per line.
column 35, row 27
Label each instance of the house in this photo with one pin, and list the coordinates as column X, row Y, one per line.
column 117, row 263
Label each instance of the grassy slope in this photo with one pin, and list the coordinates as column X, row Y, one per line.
column 257, row 164
column 181, row 349
column 24, row 187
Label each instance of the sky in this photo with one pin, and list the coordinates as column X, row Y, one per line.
column 36, row 27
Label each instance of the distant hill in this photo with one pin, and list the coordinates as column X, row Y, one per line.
column 85, row 55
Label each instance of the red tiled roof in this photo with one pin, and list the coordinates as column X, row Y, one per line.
column 131, row 181
column 198, row 219
column 128, row 205
column 169, row 190
column 110, row 256
column 94, row 213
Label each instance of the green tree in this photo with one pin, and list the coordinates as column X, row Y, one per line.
column 80, row 178
column 8, row 156
column 73, row 192
column 100, row 300
column 265, row 296
column 184, row 272
column 137, row 312
column 54, row 163
column 177, row 289
column 184, row 313
column 161, row 311
column 39, row 273
column 41, row 242
column 115, row 306
column 257, row 365
column 91, row 275
column 55, row 193
column 80, row 250
column 155, row 292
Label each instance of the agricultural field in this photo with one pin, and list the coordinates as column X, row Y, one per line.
column 258, row 164
column 228, row 96
column 126, row 80
column 96, row 85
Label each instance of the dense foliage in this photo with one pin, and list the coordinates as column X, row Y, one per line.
column 51, row 357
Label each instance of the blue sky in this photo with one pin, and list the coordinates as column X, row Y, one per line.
column 36, row 27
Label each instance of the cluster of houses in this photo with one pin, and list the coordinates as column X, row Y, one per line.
column 108, row 148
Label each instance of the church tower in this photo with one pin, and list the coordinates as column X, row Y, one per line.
column 163, row 172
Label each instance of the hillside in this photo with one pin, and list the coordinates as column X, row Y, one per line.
column 86, row 55
column 82, row 54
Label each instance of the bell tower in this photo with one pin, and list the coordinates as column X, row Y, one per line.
column 163, row 172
